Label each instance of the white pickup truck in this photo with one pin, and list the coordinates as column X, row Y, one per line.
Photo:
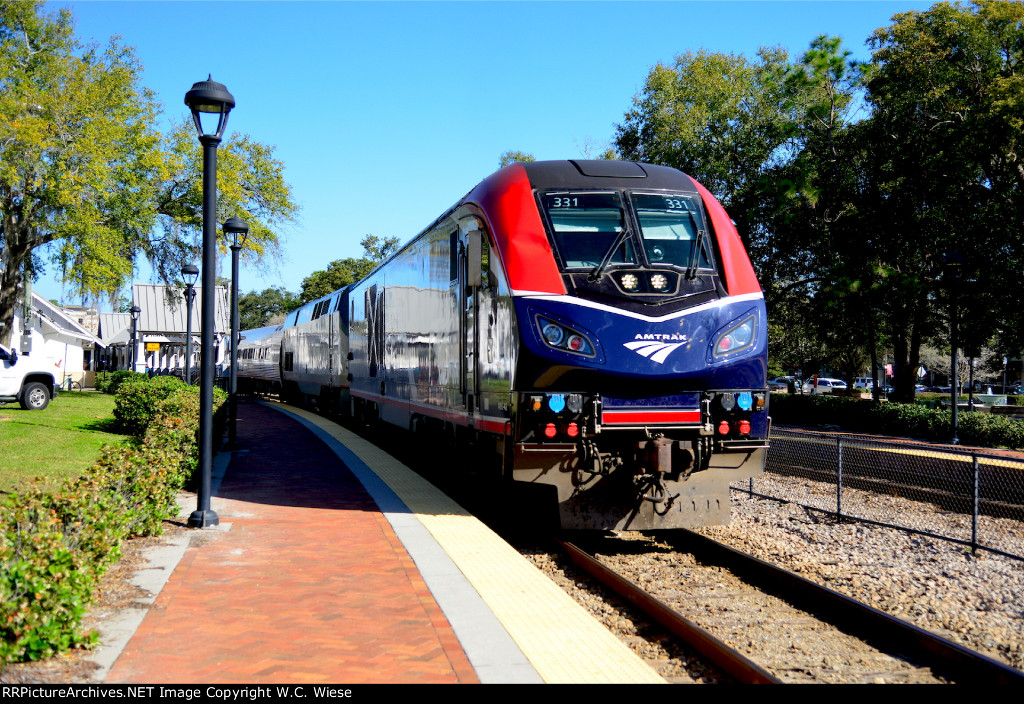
column 26, row 379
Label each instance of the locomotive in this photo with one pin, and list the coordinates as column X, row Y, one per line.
column 593, row 327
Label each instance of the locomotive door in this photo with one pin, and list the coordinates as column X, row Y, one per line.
column 471, row 275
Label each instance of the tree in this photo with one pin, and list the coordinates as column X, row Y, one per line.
column 377, row 249
column 78, row 155
column 721, row 118
column 947, row 95
column 250, row 185
column 344, row 272
column 848, row 222
column 83, row 169
column 733, row 124
column 257, row 310
column 511, row 157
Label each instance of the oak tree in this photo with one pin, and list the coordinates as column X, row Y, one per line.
column 343, row 272
column 84, row 170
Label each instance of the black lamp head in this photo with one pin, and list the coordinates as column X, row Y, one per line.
column 238, row 229
column 212, row 99
column 190, row 272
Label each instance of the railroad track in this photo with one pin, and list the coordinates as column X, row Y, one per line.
column 760, row 624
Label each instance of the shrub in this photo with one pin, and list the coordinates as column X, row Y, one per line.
column 903, row 419
column 55, row 547
column 115, row 379
column 136, row 401
column 101, row 380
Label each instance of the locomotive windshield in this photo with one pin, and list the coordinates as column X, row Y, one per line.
column 671, row 227
column 593, row 231
column 586, row 226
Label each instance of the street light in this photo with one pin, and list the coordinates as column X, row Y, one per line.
column 239, row 231
column 189, row 272
column 210, row 103
column 953, row 265
column 134, row 310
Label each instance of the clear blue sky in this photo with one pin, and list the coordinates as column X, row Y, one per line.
column 386, row 113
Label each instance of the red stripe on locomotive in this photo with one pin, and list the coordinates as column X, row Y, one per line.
column 649, row 417
column 739, row 273
column 507, row 199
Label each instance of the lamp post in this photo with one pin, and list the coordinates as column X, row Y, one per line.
column 134, row 310
column 953, row 264
column 189, row 272
column 239, row 231
column 210, row 102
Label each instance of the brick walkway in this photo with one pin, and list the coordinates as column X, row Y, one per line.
column 310, row 584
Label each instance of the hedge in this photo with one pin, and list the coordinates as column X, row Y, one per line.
column 110, row 382
column 54, row 547
column 135, row 401
column 900, row 419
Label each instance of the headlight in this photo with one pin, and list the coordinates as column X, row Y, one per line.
column 736, row 337
column 564, row 338
column 553, row 334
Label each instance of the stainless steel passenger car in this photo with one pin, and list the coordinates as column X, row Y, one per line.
column 314, row 350
column 259, row 360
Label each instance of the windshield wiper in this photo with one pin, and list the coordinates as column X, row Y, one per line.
column 698, row 247
column 598, row 271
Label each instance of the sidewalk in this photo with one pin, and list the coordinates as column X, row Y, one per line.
column 304, row 581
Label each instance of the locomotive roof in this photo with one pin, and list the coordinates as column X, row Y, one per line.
column 605, row 173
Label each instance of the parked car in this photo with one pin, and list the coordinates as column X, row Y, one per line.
column 824, row 385
column 783, row 383
column 863, row 382
column 27, row 379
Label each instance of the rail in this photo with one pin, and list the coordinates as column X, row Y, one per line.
column 725, row 657
column 943, row 656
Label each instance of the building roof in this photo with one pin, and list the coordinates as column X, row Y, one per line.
column 164, row 311
column 55, row 318
column 115, row 328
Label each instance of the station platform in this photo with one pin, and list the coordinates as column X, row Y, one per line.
column 335, row 563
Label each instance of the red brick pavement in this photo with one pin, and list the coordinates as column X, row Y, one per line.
column 309, row 585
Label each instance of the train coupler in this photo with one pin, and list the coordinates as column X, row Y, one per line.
column 651, row 487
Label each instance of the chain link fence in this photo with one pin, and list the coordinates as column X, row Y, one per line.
column 967, row 497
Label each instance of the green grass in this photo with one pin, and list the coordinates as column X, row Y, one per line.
column 57, row 443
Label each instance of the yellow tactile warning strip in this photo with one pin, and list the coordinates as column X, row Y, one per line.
column 564, row 643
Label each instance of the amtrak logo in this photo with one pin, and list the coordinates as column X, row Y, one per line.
column 655, row 347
